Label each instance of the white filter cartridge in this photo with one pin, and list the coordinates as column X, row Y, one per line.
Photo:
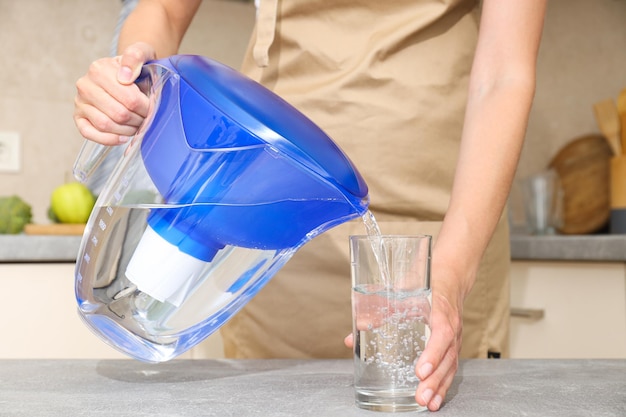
column 160, row 270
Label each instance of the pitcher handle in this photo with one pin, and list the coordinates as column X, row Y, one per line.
column 91, row 154
column 89, row 158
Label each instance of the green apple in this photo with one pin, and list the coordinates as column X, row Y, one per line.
column 72, row 203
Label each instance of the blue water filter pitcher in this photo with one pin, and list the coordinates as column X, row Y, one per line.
column 222, row 183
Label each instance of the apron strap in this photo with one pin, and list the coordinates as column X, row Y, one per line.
column 266, row 25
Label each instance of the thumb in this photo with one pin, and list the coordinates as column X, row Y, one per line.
column 131, row 61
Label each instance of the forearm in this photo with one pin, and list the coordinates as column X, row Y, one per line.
column 159, row 23
column 501, row 91
column 492, row 141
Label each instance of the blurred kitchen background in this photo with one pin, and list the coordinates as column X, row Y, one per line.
column 49, row 44
column 568, row 294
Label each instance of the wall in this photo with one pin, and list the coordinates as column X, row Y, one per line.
column 582, row 60
column 48, row 44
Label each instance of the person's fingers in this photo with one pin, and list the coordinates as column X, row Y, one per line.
column 92, row 118
column 441, row 338
column 442, row 391
column 88, row 131
column 432, row 390
column 100, row 88
column 106, row 123
column 446, row 329
column 349, row 341
column 107, row 113
column 131, row 61
column 439, row 361
column 104, row 109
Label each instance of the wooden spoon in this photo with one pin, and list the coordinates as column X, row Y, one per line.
column 608, row 119
column 621, row 108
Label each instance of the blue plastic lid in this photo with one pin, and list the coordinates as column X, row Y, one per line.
column 270, row 118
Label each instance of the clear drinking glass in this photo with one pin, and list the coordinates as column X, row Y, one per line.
column 391, row 302
column 543, row 199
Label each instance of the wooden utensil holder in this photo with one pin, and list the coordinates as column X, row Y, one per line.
column 618, row 194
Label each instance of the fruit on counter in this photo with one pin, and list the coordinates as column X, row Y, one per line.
column 71, row 203
column 15, row 213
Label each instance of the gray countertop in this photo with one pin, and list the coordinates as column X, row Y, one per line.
column 32, row 248
column 293, row 388
column 602, row 248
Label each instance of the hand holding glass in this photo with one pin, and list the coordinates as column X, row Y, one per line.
column 391, row 311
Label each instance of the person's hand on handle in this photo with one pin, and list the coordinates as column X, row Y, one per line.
column 109, row 107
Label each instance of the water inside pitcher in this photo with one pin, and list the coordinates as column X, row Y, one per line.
column 222, row 183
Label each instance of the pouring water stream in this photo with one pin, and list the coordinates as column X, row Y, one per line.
column 378, row 246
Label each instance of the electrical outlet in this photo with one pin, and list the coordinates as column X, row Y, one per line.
column 10, row 152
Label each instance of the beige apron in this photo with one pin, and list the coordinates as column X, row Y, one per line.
column 387, row 81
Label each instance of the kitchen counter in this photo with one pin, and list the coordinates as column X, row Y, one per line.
column 35, row 248
column 601, row 248
column 270, row 388
column 605, row 248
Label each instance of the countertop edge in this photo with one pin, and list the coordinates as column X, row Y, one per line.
column 35, row 248
column 590, row 248
column 585, row 248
